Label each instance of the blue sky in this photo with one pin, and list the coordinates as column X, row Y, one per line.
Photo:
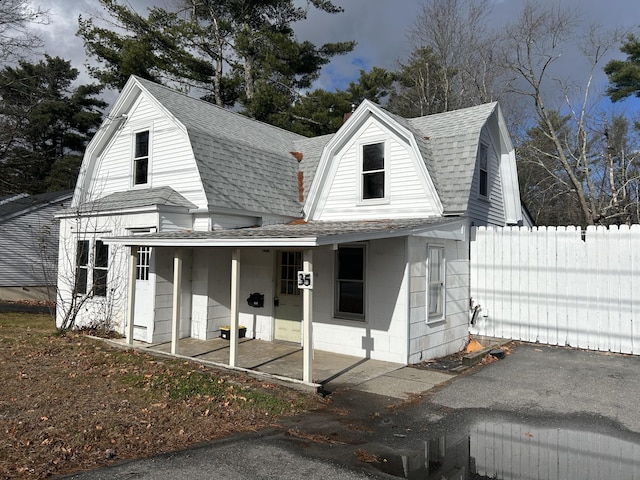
column 378, row 26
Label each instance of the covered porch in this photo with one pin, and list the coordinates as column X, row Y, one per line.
column 329, row 371
column 382, row 336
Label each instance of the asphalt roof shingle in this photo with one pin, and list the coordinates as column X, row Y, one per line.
column 139, row 198
column 236, row 155
column 14, row 204
column 248, row 165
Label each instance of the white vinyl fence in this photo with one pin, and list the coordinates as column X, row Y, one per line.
column 558, row 285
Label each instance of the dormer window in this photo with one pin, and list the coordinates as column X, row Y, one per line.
column 483, row 163
column 141, row 159
column 373, row 171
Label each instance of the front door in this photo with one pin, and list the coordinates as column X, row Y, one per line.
column 288, row 310
column 143, row 316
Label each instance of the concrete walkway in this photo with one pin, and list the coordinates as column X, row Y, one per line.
column 331, row 371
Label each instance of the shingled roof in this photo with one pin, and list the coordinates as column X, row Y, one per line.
column 448, row 143
column 453, row 138
column 141, row 198
column 235, row 154
column 13, row 205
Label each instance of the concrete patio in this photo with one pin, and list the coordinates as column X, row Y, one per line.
column 331, row 371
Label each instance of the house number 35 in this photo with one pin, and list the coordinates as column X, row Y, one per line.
column 305, row 280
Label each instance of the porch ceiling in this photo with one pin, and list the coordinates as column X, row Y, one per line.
column 307, row 234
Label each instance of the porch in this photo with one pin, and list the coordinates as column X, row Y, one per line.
column 331, row 371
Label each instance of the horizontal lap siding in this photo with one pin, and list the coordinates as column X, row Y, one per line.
column 549, row 285
column 436, row 339
column 405, row 185
column 383, row 334
column 491, row 211
column 30, row 249
column 171, row 158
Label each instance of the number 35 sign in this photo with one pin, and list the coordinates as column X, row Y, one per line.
column 305, row 280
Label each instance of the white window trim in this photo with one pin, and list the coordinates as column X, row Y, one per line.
column 439, row 316
column 484, row 146
column 132, row 168
column 91, row 267
column 143, row 265
column 360, row 145
column 359, row 319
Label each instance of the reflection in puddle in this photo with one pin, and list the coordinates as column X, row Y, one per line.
column 509, row 451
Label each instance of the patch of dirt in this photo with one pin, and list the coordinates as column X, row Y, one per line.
column 448, row 363
column 454, row 362
column 72, row 403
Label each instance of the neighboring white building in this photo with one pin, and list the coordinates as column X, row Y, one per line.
column 29, row 245
column 216, row 206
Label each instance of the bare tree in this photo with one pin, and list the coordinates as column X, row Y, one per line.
column 533, row 47
column 16, row 39
column 91, row 274
column 456, row 32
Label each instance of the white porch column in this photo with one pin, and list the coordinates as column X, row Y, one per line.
column 307, row 319
column 131, row 293
column 177, row 294
column 235, row 305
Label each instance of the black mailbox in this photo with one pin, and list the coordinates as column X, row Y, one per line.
column 256, row 300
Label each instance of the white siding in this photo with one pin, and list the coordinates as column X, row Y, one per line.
column 383, row 336
column 436, row 339
column 488, row 211
column 171, row 160
column 257, row 275
column 405, row 184
column 99, row 227
column 219, row 306
column 175, row 221
column 105, row 310
column 164, row 295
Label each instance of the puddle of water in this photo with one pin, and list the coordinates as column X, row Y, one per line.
column 509, row 451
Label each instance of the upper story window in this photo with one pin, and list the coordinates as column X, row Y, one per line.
column 141, row 159
column 483, row 163
column 373, row 171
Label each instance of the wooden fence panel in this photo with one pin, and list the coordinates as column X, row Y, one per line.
column 558, row 286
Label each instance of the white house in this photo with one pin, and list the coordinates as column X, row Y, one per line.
column 213, row 207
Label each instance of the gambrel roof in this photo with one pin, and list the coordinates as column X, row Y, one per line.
column 448, row 143
column 252, row 167
column 236, row 154
column 453, row 138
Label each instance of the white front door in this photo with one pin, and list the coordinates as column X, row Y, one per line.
column 143, row 316
column 288, row 310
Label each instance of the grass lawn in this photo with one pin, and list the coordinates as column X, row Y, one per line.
column 71, row 403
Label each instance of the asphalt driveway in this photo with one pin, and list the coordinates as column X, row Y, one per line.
column 364, row 435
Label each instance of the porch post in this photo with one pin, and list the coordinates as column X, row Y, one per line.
column 235, row 303
column 177, row 294
column 307, row 319
column 131, row 293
